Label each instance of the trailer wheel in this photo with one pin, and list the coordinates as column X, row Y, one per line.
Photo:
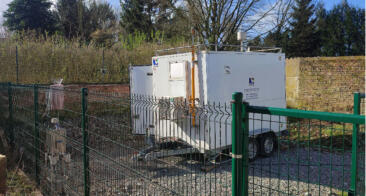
column 252, row 149
column 267, row 144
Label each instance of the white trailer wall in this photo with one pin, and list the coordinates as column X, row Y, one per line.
column 170, row 89
column 141, row 80
column 259, row 76
column 166, row 86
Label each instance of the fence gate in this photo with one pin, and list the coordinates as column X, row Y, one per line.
column 321, row 153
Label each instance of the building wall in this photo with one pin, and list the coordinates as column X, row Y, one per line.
column 324, row 83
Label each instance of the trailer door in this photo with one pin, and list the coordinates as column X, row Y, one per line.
column 140, row 85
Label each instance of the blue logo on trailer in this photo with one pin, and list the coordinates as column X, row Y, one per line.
column 251, row 81
column 155, row 62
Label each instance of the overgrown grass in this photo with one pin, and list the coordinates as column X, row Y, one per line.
column 41, row 60
column 327, row 136
column 19, row 184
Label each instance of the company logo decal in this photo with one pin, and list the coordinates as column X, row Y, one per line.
column 155, row 62
column 251, row 81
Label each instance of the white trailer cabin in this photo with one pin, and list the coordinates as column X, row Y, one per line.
column 260, row 76
column 140, row 84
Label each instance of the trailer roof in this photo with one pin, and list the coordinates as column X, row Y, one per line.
column 216, row 52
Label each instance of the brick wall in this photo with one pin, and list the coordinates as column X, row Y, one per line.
column 102, row 88
column 324, row 83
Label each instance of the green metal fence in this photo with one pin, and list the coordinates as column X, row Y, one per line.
column 358, row 150
column 320, row 154
column 91, row 143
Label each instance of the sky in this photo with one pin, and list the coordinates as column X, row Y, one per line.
column 329, row 4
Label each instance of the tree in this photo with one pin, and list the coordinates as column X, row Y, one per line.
column 273, row 31
column 171, row 19
column 342, row 30
column 303, row 40
column 257, row 41
column 136, row 16
column 352, row 29
column 278, row 36
column 357, row 33
column 217, row 21
column 68, row 16
column 80, row 20
column 321, row 27
column 159, row 17
column 30, row 15
column 102, row 20
column 101, row 16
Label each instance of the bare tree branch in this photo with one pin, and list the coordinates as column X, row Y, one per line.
column 218, row 20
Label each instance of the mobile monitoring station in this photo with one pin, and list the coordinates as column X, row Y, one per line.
column 181, row 84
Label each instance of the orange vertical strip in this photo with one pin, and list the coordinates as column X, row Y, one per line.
column 193, row 98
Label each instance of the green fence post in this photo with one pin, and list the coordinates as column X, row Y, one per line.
column 10, row 99
column 245, row 128
column 36, row 133
column 17, row 64
column 84, row 94
column 356, row 110
column 237, row 150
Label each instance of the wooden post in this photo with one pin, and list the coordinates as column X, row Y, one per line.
column 2, row 175
column 3, row 139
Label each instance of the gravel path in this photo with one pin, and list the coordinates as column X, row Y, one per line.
column 279, row 174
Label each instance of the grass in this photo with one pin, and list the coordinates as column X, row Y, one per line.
column 330, row 136
column 41, row 60
column 17, row 181
column 19, row 184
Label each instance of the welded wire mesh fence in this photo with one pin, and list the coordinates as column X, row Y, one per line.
column 90, row 143
column 358, row 186
column 132, row 141
column 313, row 155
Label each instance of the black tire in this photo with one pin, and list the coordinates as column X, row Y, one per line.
column 267, row 144
column 253, row 149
